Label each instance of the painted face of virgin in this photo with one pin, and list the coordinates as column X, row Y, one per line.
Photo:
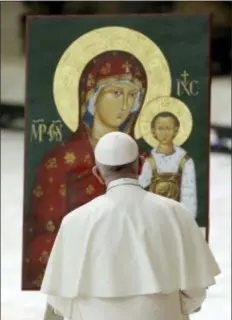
column 114, row 103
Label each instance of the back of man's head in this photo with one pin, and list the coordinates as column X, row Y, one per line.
column 116, row 156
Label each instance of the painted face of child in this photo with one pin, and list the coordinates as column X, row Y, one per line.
column 165, row 129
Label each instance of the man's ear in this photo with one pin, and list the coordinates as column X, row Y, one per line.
column 97, row 174
column 141, row 160
column 141, row 163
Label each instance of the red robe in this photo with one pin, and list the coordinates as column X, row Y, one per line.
column 63, row 182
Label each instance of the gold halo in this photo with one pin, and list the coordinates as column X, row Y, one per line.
column 81, row 51
column 166, row 104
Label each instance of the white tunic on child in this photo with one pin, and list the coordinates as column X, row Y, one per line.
column 170, row 164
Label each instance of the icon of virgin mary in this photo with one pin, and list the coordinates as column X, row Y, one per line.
column 100, row 85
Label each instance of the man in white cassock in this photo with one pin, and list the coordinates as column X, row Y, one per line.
column 128, row 254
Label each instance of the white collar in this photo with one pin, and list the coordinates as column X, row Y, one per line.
column 175, row 147
column 123, row 181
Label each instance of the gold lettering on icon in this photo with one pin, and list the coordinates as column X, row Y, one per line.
column 186, row 86
column 41, row 132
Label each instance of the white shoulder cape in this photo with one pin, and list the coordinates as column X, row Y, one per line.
column 102, row 253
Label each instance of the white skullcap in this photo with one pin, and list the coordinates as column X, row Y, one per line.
column 116, row 149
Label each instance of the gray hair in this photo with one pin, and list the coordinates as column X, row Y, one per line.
column 117, row 170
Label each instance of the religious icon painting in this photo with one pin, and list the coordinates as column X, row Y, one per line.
column 86, row 76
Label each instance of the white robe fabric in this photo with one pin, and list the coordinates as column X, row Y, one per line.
column 149, row 307
column 124, row 244
column 171, row 163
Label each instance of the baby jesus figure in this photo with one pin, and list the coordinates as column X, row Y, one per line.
column 169, row 171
